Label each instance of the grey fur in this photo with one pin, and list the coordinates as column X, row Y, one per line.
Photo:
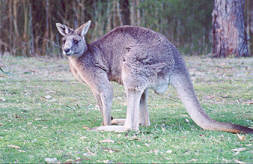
column 140, row 59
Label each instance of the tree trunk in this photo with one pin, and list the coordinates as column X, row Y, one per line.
column 250, row 25
column 135, row 12
column 229, row 35
column 125, row 8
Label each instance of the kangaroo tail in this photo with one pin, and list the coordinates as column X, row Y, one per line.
column 181, row 81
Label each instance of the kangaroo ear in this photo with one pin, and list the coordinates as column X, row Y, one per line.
column 63, row 29
column 82, row 30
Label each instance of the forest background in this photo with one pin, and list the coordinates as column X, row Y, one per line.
column 27, row 27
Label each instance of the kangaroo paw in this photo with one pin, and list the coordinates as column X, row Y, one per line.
column 118, row 121
column 111, row 128
column 104, row 123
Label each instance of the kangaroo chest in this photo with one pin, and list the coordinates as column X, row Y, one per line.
column 78, row 69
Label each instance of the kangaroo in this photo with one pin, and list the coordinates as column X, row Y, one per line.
column 139, row 59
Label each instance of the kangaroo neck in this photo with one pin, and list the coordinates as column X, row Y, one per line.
column 81, row 60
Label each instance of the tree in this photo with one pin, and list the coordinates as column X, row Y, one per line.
column 229, row 35
column 28, row 27
column 249, row 24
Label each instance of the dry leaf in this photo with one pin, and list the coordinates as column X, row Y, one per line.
column 250, row 102
column 156, row 151
column 39, row 119
column 14, row 146
column 47, row 96
column 239, row 149
column 239, row 161
column 17, row 117
column 89, row 154
column 67, row 163
column 51, row 160
column 106, row 161
column 169, row 151
column 146, row 144
column 241, row 137
column 107, row 140
column 184, row 115
column 50, row 91
column 85, row 127
column 193, row 160
column 222, row 64
column 225, row 160
column 236, row 153
column 210, row 97
column 81, row 159
column 52, row 100
column 83, row 137
column 110, row 150
column 70, row 160
column 134, row 138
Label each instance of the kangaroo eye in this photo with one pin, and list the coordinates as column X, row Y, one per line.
column 76, row 41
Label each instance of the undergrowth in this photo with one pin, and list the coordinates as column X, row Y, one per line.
column 44, row 113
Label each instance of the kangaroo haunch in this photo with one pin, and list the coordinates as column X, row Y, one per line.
column 139, row 59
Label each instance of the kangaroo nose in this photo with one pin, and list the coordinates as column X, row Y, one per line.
column 66, row 50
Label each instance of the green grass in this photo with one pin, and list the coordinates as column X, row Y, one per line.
column 43, row 110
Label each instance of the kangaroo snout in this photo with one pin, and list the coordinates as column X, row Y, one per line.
column 66, row 50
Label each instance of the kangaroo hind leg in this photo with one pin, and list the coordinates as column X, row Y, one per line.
column 133, row 109
column 144, row 115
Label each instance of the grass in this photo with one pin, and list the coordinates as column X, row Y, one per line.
column 43, row 111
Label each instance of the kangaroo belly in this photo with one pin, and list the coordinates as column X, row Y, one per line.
column 161, row 89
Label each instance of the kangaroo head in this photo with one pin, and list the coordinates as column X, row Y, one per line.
column 73, row 41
